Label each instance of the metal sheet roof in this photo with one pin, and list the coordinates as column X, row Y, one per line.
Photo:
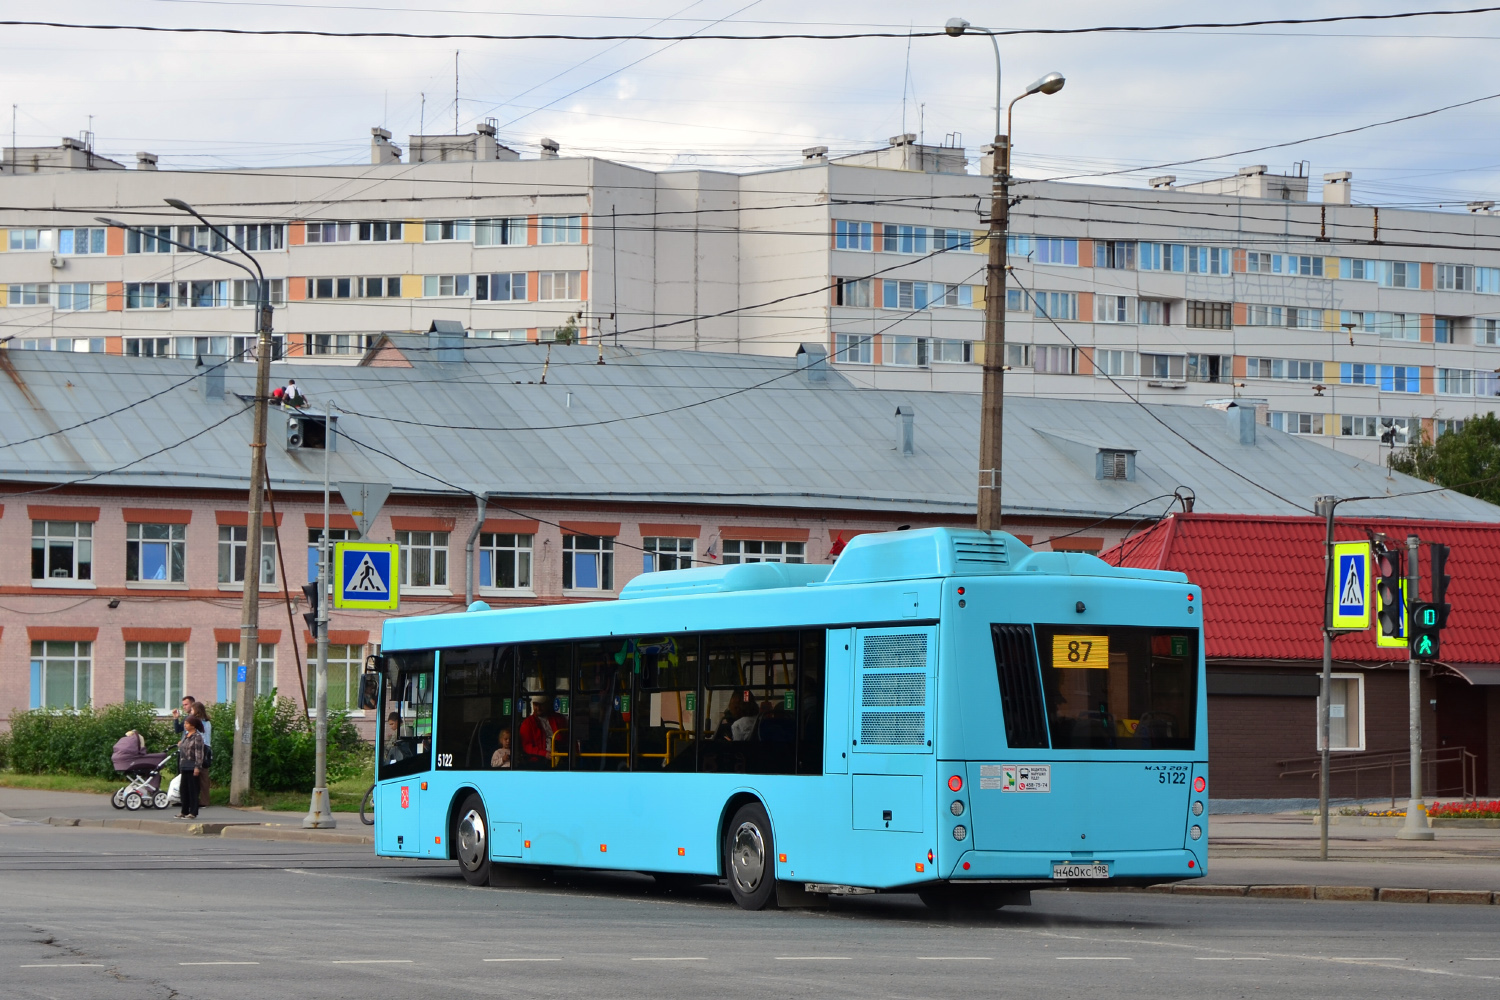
column 659, row 426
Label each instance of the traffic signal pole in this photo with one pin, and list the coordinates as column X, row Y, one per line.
column 1416, row 826
column 1325, row 508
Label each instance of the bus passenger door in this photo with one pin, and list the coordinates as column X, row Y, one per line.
column 840, row 684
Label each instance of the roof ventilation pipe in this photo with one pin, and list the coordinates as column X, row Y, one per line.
column 550, row 149
column 813, row 359
column 213, row 376
column 446, row 339
column 1336, row 188
column 906, row 430
column 1241, row 423
column 145, row 161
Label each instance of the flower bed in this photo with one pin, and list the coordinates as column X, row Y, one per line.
column 1465, row 810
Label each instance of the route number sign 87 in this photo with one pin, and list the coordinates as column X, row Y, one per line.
column 1080, row 652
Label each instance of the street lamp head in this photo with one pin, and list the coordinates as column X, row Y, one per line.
column 179, row 204
column 1049, row 84
column 955, row 26
column 105, row 220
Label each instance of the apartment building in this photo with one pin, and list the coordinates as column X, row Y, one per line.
column 1360, row 327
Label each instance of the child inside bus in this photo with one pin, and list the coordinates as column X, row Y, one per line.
column 501, row 756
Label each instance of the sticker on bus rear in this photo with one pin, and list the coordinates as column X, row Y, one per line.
column 1023, row 778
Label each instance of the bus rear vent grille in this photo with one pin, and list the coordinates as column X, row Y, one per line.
column 893, row 728
column 895, row 691
column 1020, row 687
column 984, row 552
column 896, row 652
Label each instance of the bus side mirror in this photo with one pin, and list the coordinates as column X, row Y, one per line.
column 369, row 691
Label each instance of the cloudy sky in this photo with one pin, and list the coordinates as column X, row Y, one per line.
column 1132, row 100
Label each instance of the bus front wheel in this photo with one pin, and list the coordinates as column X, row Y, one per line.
column 749, row 857
column 471, row 841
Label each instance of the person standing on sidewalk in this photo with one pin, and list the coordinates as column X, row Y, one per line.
column 199, row 711
column 190, row 766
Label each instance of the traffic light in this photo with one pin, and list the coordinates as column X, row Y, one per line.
column 1388, row 588
column 1440, row 581
column 311, row 590
column 1426, row 631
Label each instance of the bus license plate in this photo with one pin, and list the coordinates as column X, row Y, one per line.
column 1080, row 871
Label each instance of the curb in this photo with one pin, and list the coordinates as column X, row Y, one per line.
column 1332, row 893
column 229, row 830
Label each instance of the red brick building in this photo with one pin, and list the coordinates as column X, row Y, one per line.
column 1262, row 580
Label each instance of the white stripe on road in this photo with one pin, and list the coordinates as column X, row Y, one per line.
column 954, row 958
column 813, row 958
column 1093, row 958
column 1487, row 959
column 65, row 965
column 218, row 963
column 520, row 960
column 373, row 961
column 684, row 958
column 1229, row 958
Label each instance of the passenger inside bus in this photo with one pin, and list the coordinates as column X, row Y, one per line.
column 501, row 757
column 538, row 732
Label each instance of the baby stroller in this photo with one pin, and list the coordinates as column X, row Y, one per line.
column 144, row 772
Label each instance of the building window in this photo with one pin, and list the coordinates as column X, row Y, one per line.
column 445, row 285
column 1115, row 254
column 500, row 232
column 738, row 551
column 1051, row 359
column 1055, row 305
column 1114, row 465
column 1210, row 367
column 1359, row 426
column 202, row 294
column 1168, row 367
column 1265, row 316
column 1455, row 381
column 1400, row 378
column 156, row 552
column 265, row 669
column 345, row 663
column 904, row 239
column 331, row 232
column 243, row 294
column 1155, row 312
column 457, row 230
column 28, row 294
column 553, row 286
column 62, row 550
column 952, row 239
column 1114, row 308
column 1297, row 423
column 1358, row 373
column 232, row 554
column 31, row 239
column 147, row 239
column 853, row 292
column 334, row 535
column 80, row 241
column 560, row 229
column 148, row 347
column 209, row 240
column 1441, row 427
column 260, row 236
column 1444, row 330
column 1390, row 326
column 509, row 287
column 904, row 352
column 667, row 553
column 853, row 349
column 1017, row 355
column 1453, row 277
column 905, row 294
column 1487, row 332
column 148, row 295
column 1163, row 257
column 588, row 562
column 62, row 675
column 853, row 236
column 950, row 352
column 505, row 561
column 333, row 288
column 1053, row 251
column 1280, row 368
column 424, row 558
column 1305, row 319
column 1120, row 364
column 338, row 343
column 1210, row 260
column 153, row 674
column 1346, row 713
column 80, row 296
column 1487, row 280
column 1209, row 315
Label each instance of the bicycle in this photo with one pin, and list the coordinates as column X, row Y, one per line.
column 367, row 807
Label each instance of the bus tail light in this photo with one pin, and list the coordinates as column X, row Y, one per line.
column 929, row 857
column 956, row 784
column 1199, row 783
column 960, row 832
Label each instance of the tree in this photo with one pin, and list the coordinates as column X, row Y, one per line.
column 1466, row 460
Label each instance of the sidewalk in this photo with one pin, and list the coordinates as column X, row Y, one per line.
column 87, row 809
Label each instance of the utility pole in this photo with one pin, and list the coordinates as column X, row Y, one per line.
column 1325, row 507
column 319, row 814
column 1416, row 826
column 992, row 409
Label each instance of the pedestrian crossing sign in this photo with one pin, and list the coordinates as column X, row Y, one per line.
column 365, row 576
column 1352, row 600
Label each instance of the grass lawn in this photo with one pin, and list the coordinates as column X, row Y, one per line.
column 60, row 782
column 344, row 796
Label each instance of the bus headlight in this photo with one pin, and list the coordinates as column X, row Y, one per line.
column 957, row 808
column 1196, row 832
column 960, row 832
column 1197, row 808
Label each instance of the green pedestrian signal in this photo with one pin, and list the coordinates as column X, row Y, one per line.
column 1426, row 647
column 1426, row 631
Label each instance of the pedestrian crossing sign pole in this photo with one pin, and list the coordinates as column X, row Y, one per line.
column 366, row 576
column 1353, row 600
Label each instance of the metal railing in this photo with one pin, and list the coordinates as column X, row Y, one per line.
column 1391, row 762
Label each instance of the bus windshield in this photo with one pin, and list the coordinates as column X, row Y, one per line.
column 406, row 708
column 1119, row 687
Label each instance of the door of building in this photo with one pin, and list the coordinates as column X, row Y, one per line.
column 1462, row 721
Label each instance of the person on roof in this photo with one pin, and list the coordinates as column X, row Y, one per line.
column 292, row 396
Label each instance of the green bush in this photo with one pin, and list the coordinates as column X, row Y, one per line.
column 46, row 742
column 5, row 751
column 285, row 746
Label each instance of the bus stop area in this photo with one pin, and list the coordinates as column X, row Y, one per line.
column 1271, row 855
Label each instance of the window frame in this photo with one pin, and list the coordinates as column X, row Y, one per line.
column 679, row 552
column 1359, row 685
column 175, row 545
column 490, row 557
column 231, row 543
column 80, row 659
column 437, row 564
column 79, row 540
column 738, row 556
column 174, row 664
column 601, row 547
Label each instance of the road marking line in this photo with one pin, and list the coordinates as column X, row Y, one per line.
column 1093, row 958
column 813, row 958
column 684, row 958
column 1229, row 958
column 373, row 961
column 1482, row 960
column 66, row 965
column 520, row 960
column 218, row 963
column 954, row 958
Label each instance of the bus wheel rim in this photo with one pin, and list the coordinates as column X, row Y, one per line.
column 471, row 845
column 747, row 857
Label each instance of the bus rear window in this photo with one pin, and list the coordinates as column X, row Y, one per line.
column 1119, row 687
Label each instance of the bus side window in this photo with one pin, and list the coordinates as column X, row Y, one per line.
column 543, row 703
column 811, row 701
column 666, row 718
column 474, row 717
column 406, row 715
column 751, row 693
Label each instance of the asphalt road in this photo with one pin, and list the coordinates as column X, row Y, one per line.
column 96, row 913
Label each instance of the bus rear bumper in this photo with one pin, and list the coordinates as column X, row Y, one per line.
column 1125, row 867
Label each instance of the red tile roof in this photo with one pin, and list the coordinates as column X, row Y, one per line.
column 1262, row 579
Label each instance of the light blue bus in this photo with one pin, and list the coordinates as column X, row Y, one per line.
column 942, row 711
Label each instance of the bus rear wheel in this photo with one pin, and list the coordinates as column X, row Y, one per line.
column 471, row 841
column 749, row 857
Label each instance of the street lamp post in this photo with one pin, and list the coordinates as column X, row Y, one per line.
column 992, row 418
column 246, row 674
